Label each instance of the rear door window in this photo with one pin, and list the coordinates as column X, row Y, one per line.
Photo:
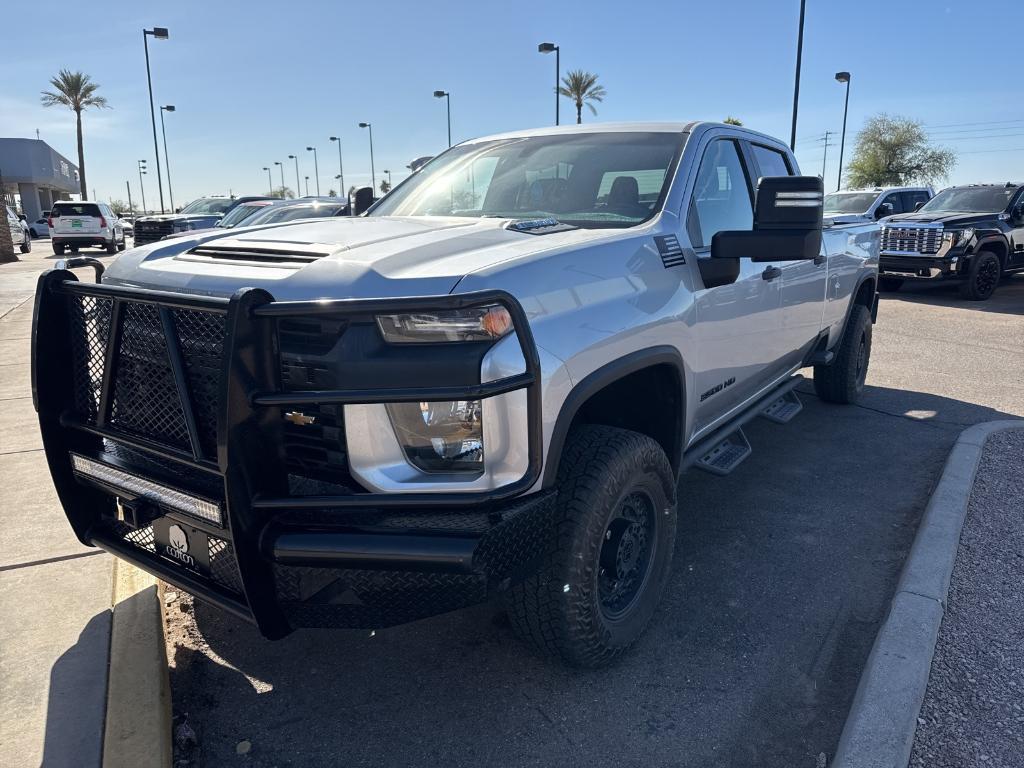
column 771, row 162
column 75, row 209
column 911, row 199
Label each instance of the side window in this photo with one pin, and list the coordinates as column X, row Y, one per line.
column 721, row 197
column 911, row 199
column 893, row 199
column 771, row 162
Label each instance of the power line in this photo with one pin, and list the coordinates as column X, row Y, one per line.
column 972, row 138
column 981, row 151
column 982, row 122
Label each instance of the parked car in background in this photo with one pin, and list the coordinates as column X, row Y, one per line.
column 238, row 216
column 847, row 206
column 39, row 227
column 128, row 223
column 298, row 209
column 972, row 234
column 486, row 386
column 75, row 225
column 19, row 234
column 203, row 213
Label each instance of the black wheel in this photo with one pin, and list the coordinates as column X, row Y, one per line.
column 889, row 284
column 843, row 380
column 58, row 248
column 26, row 245
column 610, row 551
column 982, row 277
column 74, row 248
column 33, row 233
column 124, row 242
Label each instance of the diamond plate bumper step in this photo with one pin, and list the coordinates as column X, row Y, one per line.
column 784, row 409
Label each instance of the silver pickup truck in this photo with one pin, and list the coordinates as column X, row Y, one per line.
column 489, row 385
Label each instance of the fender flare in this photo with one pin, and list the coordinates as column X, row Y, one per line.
column 600, row 378
column 987, row 238
column 872, row 307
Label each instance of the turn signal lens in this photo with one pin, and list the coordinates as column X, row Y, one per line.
column 475, row 324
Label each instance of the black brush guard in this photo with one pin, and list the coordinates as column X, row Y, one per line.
column 279, row 560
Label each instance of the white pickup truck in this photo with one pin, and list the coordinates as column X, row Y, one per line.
column 489, row 384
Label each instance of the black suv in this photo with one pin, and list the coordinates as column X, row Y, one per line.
column 973, row 234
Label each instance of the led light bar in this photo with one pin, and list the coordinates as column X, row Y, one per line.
column 138, row 487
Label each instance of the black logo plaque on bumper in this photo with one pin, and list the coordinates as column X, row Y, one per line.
column 182, row 544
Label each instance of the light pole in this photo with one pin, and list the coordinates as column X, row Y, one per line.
column 167, row 158
column 307, row 186
column 843, row 77
column 341, row 167
column 158, row 33
column 552, row 48
column 796, row 85
column 373, row 175
column 280, row 166
column 131, row 208
column 389, row 177
column 448, row 99
column 270, row 180
column 142, row 187
column 298, row 186
column 316, row 169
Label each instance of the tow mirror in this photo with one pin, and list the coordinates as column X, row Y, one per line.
column 787, row 223
column 885, row 209
column 363, row 199
column 919, row 205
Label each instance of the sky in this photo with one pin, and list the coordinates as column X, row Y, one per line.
column 254, row 82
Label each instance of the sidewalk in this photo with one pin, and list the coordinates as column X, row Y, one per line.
column 973, row 710
column 55, row 594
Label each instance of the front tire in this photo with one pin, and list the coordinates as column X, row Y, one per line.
column 982, row 277
column 843, row 380
column 26, row 245
column 889, row 284
column 610, row 552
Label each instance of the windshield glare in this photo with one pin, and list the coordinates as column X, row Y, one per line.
column 239, row 215
column 590, row 179
column 970, row 200
column 208, row 205
column 276, row 215
column 849, row 202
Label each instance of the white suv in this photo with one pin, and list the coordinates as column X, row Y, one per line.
column 849, row 206
column 19, row 235
column 77, row 225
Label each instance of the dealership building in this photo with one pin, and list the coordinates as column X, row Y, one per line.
column 37, row 173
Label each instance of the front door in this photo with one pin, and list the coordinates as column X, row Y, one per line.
column 737, row 325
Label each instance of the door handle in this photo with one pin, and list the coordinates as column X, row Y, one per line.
column 770, row 273
column 819, row 260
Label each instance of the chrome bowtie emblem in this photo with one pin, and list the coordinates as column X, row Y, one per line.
column 301, row 419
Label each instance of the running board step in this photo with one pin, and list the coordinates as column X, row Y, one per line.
column 782, row 410
column 822, row 357
column 726, row 455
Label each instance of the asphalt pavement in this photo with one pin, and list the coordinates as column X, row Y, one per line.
column 783, row 572
column 973, row 711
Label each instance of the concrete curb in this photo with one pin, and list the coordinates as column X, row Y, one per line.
column 138, row 723
column 879, row 730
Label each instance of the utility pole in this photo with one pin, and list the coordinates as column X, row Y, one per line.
column 796, row 85
column 131, row 208
column 824, row 156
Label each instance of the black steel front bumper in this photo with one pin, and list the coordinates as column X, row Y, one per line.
column 276, row 556
column 919, row 267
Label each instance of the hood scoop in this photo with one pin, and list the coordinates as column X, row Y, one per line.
column 254, row 253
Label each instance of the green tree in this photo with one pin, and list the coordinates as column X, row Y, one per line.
column 385, row 187
column 331, row 192
column 894, row 151
column 730, row 120
column 582, row 88
column 285, row 193
column 76, row 91
column 119, row 207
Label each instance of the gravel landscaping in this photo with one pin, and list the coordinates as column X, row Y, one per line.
column 973, row 711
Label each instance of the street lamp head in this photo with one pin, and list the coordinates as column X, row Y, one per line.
column 310, row 149
column 291, row 157
column 334, row 138
column 160, row 33
column 277, row 162
column 364, row 125
column 843, row 77
column 265, row 168
column 168, row 108
column 547, row 48
column 440, row 94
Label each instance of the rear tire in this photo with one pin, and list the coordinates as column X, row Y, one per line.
column 73, row 248
column 26, row 245
column 58, row 249
column 610, row 551
column 124, row 242
column 111, row 247
column 889, row 284
column 982, row 277
column 843, row 380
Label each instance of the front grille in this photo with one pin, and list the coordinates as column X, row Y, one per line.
column 151, row 231
column 146, row 402
column 926, row 240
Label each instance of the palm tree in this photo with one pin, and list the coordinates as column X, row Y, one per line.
column 76, row 91
column 582, row 88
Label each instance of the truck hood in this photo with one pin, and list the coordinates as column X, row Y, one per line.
column 341, row 257
column 956, row 218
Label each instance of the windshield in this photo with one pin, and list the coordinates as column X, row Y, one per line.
column 588, row 179
column 239, row 214
column 278, row 214
column 849, row 202
column 208, row 205
column 970, row 200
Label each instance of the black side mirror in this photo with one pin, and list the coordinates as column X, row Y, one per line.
column 787, row 223
column 885, row 209
column 363, row 200
column 919, row 205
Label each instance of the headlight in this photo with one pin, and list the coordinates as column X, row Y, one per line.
column 441, row 436
column 475, row 324
column 960, row 236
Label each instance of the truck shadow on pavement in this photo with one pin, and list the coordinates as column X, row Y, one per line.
column 783, row 572
column 1007, row 300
